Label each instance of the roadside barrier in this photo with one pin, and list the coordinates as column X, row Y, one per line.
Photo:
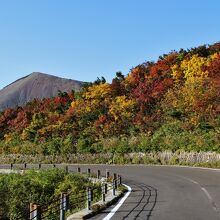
column 58, row 208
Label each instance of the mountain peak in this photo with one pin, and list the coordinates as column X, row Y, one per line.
column 35, row 85
column 37, row 73
column 41, row 74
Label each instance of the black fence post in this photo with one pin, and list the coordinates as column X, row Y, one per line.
column 89, row 198
column 120, row 180
column 66, row 201
column 39, row 166
column 25, row 166
column 11, row 166
column 62, row 213
column 92, row 195
column 103, row 192
column 115, row 179
column 106, row 188
column 113, row 187
column 64, row 204
column 89, row 172
column 98, row 174
column 107, row 174
column 78, row 170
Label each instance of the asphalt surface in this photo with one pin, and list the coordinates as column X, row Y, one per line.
column 161, row 192
column 171, row 193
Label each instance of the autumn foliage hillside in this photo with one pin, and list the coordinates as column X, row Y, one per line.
column 173, row 104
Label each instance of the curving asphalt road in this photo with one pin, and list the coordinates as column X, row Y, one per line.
column 171, row 193
column 163, row 192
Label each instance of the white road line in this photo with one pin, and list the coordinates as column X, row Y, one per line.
column 202, row 188
column 115, row 209
column 207, row 194
column 214, row 206
column 193, row 181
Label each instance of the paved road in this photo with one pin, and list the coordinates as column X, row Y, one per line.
column 171, row 193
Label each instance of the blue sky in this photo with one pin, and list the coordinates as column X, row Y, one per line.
column 84, row 39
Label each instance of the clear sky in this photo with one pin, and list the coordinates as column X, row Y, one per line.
column 84, row 39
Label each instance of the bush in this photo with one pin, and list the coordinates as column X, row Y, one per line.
column 41, row 187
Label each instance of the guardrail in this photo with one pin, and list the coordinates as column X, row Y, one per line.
column 69, row 200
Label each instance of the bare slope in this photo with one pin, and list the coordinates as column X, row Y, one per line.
column 35, row 85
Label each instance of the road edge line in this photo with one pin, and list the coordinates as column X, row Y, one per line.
column 115, row 209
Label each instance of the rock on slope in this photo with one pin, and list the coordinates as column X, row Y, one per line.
column 35, row 85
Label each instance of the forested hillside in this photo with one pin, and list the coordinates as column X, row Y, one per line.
column 173, row 104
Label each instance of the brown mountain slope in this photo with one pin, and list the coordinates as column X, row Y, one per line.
column 35, row 85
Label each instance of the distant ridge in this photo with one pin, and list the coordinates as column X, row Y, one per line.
column 35, row 85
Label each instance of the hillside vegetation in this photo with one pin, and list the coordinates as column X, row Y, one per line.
column 170, row 104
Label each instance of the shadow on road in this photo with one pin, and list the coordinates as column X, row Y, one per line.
column 142, row 201
column 139, row 205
